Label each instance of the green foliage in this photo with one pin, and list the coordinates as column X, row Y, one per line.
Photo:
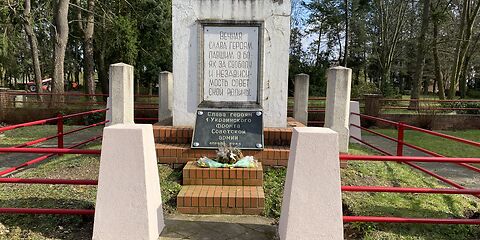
column 125, row 40
column 93, row 118
column 274, row 181
column 170, row 180
column 473, row 93
column 475, row 107
column 364, row 88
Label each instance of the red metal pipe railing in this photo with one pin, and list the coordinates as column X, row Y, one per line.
column 60, row 131
column 40, row 140
column 430, row 108
column 409, row 190
column 345, row 157
column 372, row 146
column 442, row 135
column 50, row 150
column 42, row 158
column 375, row 118
column 400, row 144
column 44, row 121
column 59, row 94
column 49, row 181
column 422, row 169
column 75, row 94
column 47, row 211
column 409, row 220
column 427, row 100
column 147, row 119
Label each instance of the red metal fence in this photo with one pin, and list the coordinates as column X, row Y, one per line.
column 49, row 152
column 411, row 161
column 143, row 103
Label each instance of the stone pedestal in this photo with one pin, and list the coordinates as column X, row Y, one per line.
column 129, row 202
column 337, row 111
column 3, row 103
column 300, row 107
column 165, row 92
column 121, row 93
column 312, row 199
column 373, row 104
column 355, row 120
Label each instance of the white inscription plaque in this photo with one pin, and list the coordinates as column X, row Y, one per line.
column 230, row 64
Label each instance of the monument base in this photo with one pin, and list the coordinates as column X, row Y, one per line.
column 236, row 191
column 173, row 145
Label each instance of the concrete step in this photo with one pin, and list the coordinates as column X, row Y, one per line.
column 182, row 153
column 194, row 175
column 236, row 200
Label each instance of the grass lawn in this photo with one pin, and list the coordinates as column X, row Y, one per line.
column 389, row 204
column 440, row 145
column 358, row 173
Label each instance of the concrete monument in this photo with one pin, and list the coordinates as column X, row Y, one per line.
column 230, row 54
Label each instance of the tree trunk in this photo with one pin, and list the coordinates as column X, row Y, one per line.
column 61, row 38
column 345, row 58
column 88, row 55
column 420, row 63
column 468, row 15
column 32, row 39
column 88, row 50
column 464, row 76
column 437, row 63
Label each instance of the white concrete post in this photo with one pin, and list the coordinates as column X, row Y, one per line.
column 312, row 211
column 355, row 119
column 165, row 91
column 300, row 107
column 121, row 93
column 337, row 110
column 108, row 115
column 129, row 202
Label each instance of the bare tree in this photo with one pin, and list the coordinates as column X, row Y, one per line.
column 32, row 40
column 468, row 16
column 61, row 39
column 389, row 19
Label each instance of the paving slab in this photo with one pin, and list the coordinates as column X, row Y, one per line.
column 218, row 227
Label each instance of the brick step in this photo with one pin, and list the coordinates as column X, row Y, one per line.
column 183, row 135
column 237, row 200
column 194, row 175
column 182, row 153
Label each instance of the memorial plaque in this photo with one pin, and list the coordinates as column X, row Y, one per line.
column 230, row 63
column 239, row 128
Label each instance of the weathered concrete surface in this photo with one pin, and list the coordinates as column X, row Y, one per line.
column 186, row 45
column 129, row 202
column 355, row 119
column 337, row 110
column 312, row 199
column 121, row 93
column 165, row 91
column 300, row 107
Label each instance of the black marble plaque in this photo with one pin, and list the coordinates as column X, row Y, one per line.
column 239, row 128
